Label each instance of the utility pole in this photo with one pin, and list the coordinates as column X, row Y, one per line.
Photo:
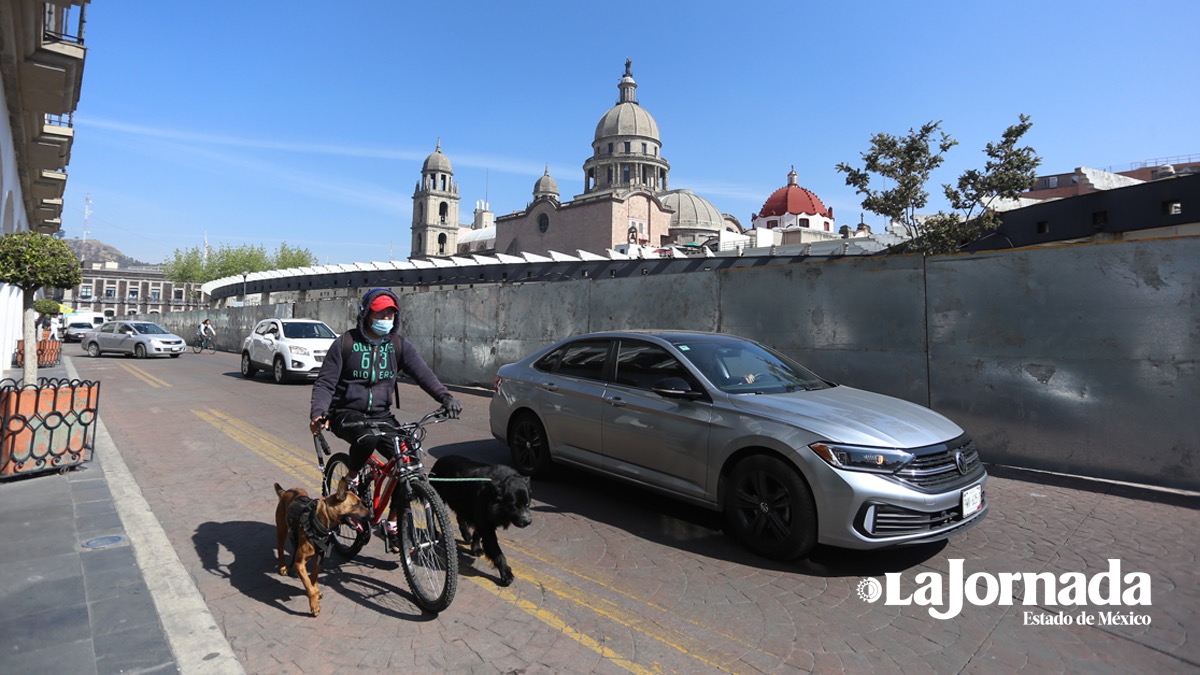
column 87, row 213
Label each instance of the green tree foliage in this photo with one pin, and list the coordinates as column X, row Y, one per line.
column 29, row 261
column 46, row 306
column 908, row 163
column 293, row 256
column 191, row 265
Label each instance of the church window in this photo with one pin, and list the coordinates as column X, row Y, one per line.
column 441, row 244
column 625, row 174
column 643, row 148
column 772, row 224
column 803, row 222
column 610, row 175
column 421, row 213
column 627, row 147
column 443, row 183
column 543, row 222
column 610, row 146
column 443, row 211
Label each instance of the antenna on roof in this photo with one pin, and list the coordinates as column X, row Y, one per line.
column 87, row 212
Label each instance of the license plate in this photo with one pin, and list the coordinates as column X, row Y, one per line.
column 972, row 500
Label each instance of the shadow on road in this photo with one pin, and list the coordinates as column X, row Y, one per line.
column 253, row 572
column 673, row 523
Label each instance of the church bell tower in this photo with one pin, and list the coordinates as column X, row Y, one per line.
column 435, row 209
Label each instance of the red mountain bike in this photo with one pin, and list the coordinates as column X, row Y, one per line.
column 428, row 552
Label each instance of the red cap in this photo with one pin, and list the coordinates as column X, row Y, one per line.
column 382, row 302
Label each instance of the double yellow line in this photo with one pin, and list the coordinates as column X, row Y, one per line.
column 299, row 463
column 293, row 459
column 144, row 376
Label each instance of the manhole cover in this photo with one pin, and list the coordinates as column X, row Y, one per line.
column 104, row 542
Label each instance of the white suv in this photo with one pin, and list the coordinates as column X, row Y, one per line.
column 289, row 348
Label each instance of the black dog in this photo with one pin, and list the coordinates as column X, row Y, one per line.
column 500, row 500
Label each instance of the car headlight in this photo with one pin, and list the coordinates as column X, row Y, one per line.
column 298, row 350
column 854, row 458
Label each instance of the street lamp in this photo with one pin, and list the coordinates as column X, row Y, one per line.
column 245, row 273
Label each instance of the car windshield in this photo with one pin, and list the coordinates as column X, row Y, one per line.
column 84, row 326
column 307, row 329
column 742, row 367
column 146, row 328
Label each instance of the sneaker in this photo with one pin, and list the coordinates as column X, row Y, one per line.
column 391, row 535
column 351, row 485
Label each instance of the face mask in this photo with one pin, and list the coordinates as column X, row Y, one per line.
column 382, row 326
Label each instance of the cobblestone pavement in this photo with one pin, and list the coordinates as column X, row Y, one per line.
column 611, row 579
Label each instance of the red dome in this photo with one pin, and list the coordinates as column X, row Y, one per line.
column 792, row 198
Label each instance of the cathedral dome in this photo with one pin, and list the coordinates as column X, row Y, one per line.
column 627, row 118
column 437, row 162
column 545, row 186
column 692, row 212
column 793, row 199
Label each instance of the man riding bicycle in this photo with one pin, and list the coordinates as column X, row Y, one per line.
column 358, row 379
column 205, row 331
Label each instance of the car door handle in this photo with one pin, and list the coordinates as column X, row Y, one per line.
column 616, row 402
column 548, row 387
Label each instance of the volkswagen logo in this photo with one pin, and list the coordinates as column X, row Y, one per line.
column 960, row 461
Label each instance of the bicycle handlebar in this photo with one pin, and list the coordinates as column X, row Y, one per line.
column 385, row 424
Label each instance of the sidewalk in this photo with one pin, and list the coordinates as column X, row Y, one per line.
column 91, row 583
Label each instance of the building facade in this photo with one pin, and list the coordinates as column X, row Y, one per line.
column 41, row 69
column 120, row 291
column 626, row 199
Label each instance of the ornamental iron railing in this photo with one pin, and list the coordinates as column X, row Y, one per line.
column 50, row 426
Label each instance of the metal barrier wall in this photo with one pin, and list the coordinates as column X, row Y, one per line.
column 1080, row 359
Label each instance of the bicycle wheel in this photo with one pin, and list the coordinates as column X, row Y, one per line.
column 430, row 555
column 347, row 540
column 211, row 346
column 197, row 346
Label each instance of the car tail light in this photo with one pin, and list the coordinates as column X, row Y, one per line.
column 496, row 386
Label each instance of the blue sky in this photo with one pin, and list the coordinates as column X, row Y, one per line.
column 307, row 122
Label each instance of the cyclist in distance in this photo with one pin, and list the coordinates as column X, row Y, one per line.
column 358, row 378
column 205, row 329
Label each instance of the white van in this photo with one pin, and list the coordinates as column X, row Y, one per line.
column 96, row 318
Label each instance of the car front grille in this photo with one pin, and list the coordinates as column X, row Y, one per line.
column 887, row 520
column 940, row 470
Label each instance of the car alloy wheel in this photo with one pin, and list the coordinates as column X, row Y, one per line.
column 280, row 371
column 769, row 508
column 248, row 369
column 139, row 351
column 93, row 350
column 529, row 446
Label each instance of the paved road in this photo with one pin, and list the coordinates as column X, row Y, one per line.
column 613, row 580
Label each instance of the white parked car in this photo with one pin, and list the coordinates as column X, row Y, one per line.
column 289, row 348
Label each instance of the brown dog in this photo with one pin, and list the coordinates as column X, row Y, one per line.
column 310, row 521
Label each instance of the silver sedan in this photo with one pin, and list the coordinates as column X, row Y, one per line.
column 723, row 422
column 139, row 338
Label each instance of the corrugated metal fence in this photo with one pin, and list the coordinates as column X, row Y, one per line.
column 1080, row 359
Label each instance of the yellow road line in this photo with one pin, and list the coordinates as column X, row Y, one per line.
column 567, row 567
column 684, row 644
column 299, row 463
column 144, row 376
column 282, row 454
column 550, row 619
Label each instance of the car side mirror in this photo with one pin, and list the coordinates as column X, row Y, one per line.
column 675, row 387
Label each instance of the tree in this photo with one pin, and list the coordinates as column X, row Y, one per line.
column 46, row 306
column 293, row 256
column 29, row 261
column 192, row 266
column 186, row 267
column 909, row 161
